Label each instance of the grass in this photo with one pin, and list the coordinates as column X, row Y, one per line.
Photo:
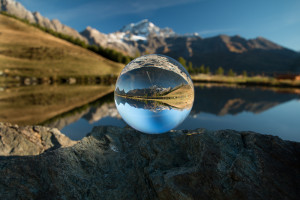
column 36, row 104
column 30, row 52
column 242, row 80
column 105, row 52
column 288, row 90
column 181, row 98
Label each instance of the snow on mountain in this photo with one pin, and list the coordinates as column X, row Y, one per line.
column 102, row 38
column 131, row 32
column 112, row 40
column 144, row 28
column 128, row 38
column 230, row 52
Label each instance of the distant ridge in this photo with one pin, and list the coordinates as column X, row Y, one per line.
column 15, row 8
column 256, row 56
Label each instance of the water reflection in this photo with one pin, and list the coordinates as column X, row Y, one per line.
column 150, row 116
column 215, row 107
column 30, row 105
column 229, row 99
column 264, row 110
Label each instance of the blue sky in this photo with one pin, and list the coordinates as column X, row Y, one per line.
column 276, row 20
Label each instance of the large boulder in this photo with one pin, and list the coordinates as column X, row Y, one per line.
column 30, row 140
column 116, row 163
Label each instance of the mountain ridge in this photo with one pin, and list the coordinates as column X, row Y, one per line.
column 256, row 56
column 23, row 55
column 17, row 9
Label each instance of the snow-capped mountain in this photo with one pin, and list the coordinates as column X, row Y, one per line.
column 144, row 28
column 129, row 38
column 226, row 51
column 118, row 40
column 231, row 52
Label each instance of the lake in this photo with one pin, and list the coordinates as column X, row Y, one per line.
column 75, row 109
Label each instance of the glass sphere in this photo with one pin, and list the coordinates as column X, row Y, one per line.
column 154, row 93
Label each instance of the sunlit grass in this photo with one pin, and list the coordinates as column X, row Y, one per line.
column 29, row 52
column 253, row 80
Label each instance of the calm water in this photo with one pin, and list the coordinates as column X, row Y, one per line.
column 266, row 111
column 215, row 107
column 150, row 116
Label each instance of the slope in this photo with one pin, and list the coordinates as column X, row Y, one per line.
column 256, row 56
column 28, row 51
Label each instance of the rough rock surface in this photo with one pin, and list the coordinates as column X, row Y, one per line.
column 115, row 163
column 30, row 140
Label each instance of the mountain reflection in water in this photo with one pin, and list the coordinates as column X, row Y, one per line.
column 215, row 107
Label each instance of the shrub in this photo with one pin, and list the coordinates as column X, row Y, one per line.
column 231, row 72
column 220, row 71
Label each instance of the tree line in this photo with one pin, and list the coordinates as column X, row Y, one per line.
column 206, row 69
column 110, row 54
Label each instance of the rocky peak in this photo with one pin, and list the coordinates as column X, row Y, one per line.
column 94, row 36
column 239, row 44
column 15, row 8
column 91, row 31
column 112, row 40
column 145, row 28
column 263, row 43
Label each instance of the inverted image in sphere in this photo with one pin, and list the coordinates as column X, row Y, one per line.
column 154, row 93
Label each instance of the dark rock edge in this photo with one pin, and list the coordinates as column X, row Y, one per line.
column 116, row 163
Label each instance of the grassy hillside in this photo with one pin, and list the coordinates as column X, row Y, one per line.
column 28, row 51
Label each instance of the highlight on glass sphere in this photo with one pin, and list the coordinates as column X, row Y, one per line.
column 154, row 94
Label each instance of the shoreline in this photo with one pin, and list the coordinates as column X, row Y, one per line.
column 111, row 79
column 246, row 81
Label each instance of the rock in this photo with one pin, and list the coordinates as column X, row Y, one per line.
column 30, row 140
column 116, row 163
column 113, row 41
column 230, row 52
column 15, row 8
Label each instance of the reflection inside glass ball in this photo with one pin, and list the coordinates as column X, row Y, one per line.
column 154, row 94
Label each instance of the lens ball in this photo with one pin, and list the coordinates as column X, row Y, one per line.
column 154, row 94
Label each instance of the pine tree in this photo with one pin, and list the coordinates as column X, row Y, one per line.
column 182, row 61
column 202, row 69
column 207, row 70
column 190, row 67
column 220, row 71
column 231, row 73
